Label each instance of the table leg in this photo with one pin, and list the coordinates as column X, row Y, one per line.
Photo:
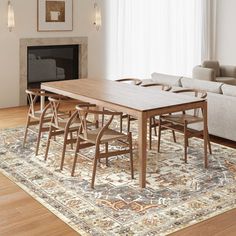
column 205, row 132
column 142, row 148
column 42, row 102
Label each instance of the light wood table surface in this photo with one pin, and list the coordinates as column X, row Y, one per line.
column 137, row 101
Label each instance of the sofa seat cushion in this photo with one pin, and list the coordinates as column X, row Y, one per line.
column 229, row 90
column 226, row 80
column 171, row 80
column 209, row 86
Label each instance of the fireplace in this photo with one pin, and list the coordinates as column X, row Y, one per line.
column 51, row 59
column 51, row 63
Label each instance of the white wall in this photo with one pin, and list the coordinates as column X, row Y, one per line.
column 226, row 32
column 26, row 27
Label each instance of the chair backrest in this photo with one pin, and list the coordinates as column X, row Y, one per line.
column 134, row 81
column 58, row 115
column 55, row 104
column 32, row 96
column 195, row 93
column 163, row 87
column 84, row 113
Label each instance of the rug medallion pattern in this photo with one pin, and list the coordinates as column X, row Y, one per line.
column 177, row 194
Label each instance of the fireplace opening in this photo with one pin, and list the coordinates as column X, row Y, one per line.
column 51, row 63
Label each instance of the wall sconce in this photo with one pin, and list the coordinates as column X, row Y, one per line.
column 97, row 17
column 10, row 16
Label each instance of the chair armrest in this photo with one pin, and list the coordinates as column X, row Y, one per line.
column 163, row 86
column 133, row 80
column 203, row 73
column 228, row 71
column 203, row 93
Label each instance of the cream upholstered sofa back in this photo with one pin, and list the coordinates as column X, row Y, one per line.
column 221, row 100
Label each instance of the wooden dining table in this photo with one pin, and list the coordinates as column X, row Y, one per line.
column 136, row 101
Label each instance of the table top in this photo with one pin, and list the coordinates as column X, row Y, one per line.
column 122, row 94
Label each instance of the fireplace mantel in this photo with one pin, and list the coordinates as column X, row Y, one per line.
column 27, row 42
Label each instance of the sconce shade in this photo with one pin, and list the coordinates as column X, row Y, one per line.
column 11, row 17
column 97, row 17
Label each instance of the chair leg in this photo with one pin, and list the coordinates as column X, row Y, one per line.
column 95, row 164
column 76, row 155
column 155, row 127
column 174, row 136
column 71, row 138
column 128, row 123
column 48, row 143
column 121, row 123
column 209, row 143
column 159, row 136
column 74, row 164
column 106, row 149
column 103, row 116
column 185, row 142
column 131, row 155
column 150, row 133
column 64, row 149
column 26, row 130
column 38, row 138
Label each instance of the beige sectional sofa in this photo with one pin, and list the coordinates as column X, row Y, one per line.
column 221, row 102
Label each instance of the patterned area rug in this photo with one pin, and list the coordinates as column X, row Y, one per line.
column 177, row 194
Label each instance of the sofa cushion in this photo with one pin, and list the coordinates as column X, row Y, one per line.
column 229, row 90
column 208, row 86
column 213, row 65
column 228, row 71
column 226, row 80
column 171, row 80
column 203, row 73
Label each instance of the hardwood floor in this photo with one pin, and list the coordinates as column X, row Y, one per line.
column 221, row 225
column 21, row 215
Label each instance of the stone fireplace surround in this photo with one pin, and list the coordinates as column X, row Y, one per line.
column 27, row 42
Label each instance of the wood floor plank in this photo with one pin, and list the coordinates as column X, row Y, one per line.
column 21, row 215
column 217, row 225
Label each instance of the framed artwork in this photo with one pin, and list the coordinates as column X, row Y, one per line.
column 55, row 15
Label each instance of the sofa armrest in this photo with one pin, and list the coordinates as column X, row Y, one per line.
column 228, row 71
column 203, row 73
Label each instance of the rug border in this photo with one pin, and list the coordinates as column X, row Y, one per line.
column 81, row 231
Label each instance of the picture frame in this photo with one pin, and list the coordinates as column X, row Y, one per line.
column 54, row 15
